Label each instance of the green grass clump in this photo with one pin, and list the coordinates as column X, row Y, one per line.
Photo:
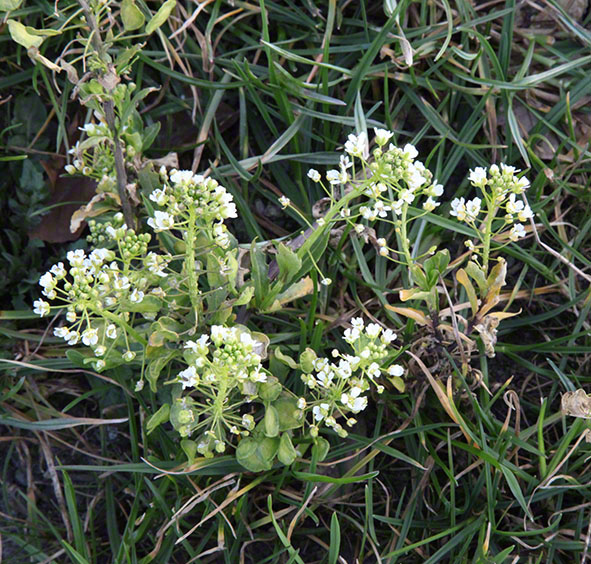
column 489, row 470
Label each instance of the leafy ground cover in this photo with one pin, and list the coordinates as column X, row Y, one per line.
column 488, row 469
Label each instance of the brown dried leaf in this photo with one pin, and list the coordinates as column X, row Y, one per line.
column 576, row 404
column 92, row 209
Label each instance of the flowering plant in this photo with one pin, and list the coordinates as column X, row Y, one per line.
column 159, row 289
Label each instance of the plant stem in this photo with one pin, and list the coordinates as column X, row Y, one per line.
column 190, row 264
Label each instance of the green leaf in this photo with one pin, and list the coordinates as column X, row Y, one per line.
column 320, row 449
column 161, row 416
column 9, row 5
column 270, row 390
column 284, row 358
column 475, row 272
column 257, row 455
column 271, row 422
column 190, row 449
column 156, row 365
column 160, row 16
column 289, row 263
column 286, row 453
column 20, row 34
column 287, row 408
column 437, row 264
column 307, row 359
column 246, row 294
column 131, row 16
column 335, row 540
column 308, row 477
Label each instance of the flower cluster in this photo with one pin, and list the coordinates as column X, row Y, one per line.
column 99, row 291
column 187, row 198
column 223, row 364
column 500, row 188
column 338, row 386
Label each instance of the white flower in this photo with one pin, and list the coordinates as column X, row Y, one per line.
column 320, row 411
column 159, row 196
column 72, row 337
column 525, row 213
column 388, row 336
column 359, row 404
column 351, row 335
column 100, row 350
column 381, row 209
column 374, row 370
column 136, row 296
column 345, row 162
column 478, row 176
column 41, row 308
column 382, row 136
column 314, row 175
column 407, row 196
column 284, row 201
column 71, row 316
column 70, row 169
column 46, row 281
column 161, row 221
column 90, row 337
column 373, row 330
column 521, row 185
column 58, row 270
column 189, row 377
column 357, row 323
column 181, row 176
column 76, row 258
column 258, row 375
column 61, row 332
column 336, row 177
column 514, row 206
column 430, row 204
column 326, row 281
column 111, row 331
column 410, row 151
column 396, row 370
column 458, row 208
column 301, row 403
column 435, row 190
column 517, row 231
column 397, row 207
column 415, row 177
column 357, row 145
column 472, row 209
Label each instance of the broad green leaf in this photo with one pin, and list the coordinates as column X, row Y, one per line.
column 289, row 263
column 131, row 16
column 286, row 453
column 270, row 390
column 190, row 449
column 161, row 416
column 307, row 359
column 22, row 36
column 271, row 421
column 257, row 455
column 289, row 414
column 284, row 358
column 9, row 5
column 160, row 16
